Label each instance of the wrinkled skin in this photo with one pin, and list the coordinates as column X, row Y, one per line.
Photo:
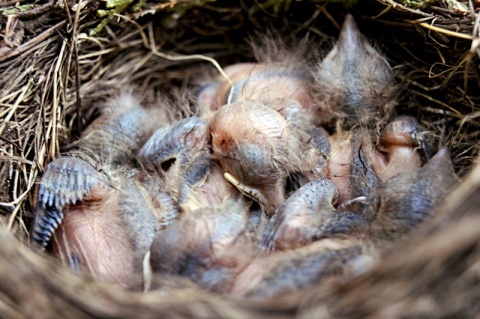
column 253, row 143
column 213, row 249
column 333, row 220
column 256, row 82
column 353, row 68
column 102, row 223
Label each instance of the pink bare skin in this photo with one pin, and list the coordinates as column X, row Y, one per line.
column 82, row 210
column 249, row 142
column 79, row 208
column 339, row 164
column 94, row 235
column 398, row 149
column 255, row 82
column 254, row 144
column 408, row 199
column 212, row 190
column 208, row 245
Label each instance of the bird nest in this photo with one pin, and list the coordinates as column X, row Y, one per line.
column 60, row 60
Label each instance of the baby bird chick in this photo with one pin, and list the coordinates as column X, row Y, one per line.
column 181, row 152
column 407, row 199
column 81, row 200
column 308, row 215
column 257, row 150
column 358, row 168
column 398, row 151
column 285, row 272
column 354, row 83
column 79, row 208
column 172, row 148
column 311, row 241
column 209, row 246
column 256, row 82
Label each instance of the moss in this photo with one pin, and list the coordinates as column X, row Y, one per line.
column 414, row 4
column 14, row 10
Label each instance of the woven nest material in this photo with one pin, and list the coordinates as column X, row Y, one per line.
column 60, row 60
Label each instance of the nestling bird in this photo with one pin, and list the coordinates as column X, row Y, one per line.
column 100, row 209
column 181, row 154
column 257, row 149
column 336, row 177
column 311, row 255
column 408, row 199
column 263, row 82
column 358, row 167
column 354, row 83
column 209, row 245
column 308, row 215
